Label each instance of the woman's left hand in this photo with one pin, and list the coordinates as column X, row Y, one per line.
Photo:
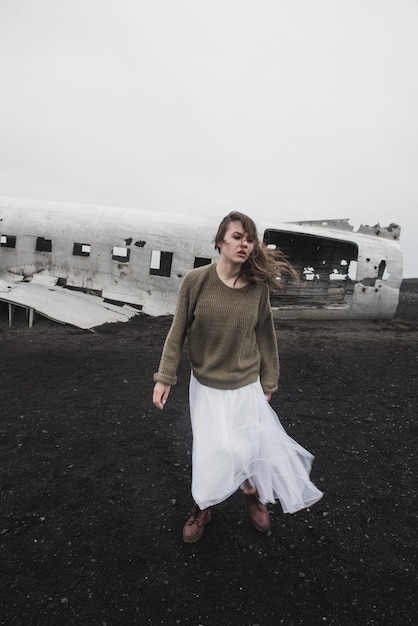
column 268, row 396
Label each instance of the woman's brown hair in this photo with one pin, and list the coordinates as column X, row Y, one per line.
column 263, row 265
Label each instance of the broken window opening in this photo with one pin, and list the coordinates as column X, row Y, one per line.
column 43, row 245
column 326, row 266
column 161, row 262
column 81, row 249
column 122, row 255
column 381, row 270
column 8, row 241
column 201, row 261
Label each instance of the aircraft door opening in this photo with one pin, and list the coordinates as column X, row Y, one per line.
column 326, row 269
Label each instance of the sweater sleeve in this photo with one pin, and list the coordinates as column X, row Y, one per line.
column 173, row 345
column 267, row 345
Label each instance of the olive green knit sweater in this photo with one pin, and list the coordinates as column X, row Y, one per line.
column 230, row 334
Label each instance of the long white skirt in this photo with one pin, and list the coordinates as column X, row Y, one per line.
column 236, row 437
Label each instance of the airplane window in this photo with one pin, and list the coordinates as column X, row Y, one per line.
column 200, row 261
column 43, row 245
column 8, row 241
column 81, row 249
column 161, row 263
column 121, row 254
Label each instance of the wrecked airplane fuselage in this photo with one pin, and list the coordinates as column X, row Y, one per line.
column 343, row 274
column 140, row 257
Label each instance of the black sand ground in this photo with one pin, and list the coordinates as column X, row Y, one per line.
column 95, row 483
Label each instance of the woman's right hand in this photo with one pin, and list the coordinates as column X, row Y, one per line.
column 160, row 394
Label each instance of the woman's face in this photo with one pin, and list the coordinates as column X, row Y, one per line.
column 236, row 246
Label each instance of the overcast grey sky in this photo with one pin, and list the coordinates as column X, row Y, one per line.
column 284, row 109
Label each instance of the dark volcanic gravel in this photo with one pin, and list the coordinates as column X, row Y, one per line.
column 95, row 483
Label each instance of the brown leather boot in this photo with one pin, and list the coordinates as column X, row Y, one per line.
column 258, row 513
column 195, row 525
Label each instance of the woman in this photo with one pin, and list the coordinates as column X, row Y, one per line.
column 224, row 311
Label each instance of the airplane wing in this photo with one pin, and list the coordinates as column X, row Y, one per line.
column 62, row 305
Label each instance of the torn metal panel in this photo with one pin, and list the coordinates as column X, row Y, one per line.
column 140, row 257
column 393, row 231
